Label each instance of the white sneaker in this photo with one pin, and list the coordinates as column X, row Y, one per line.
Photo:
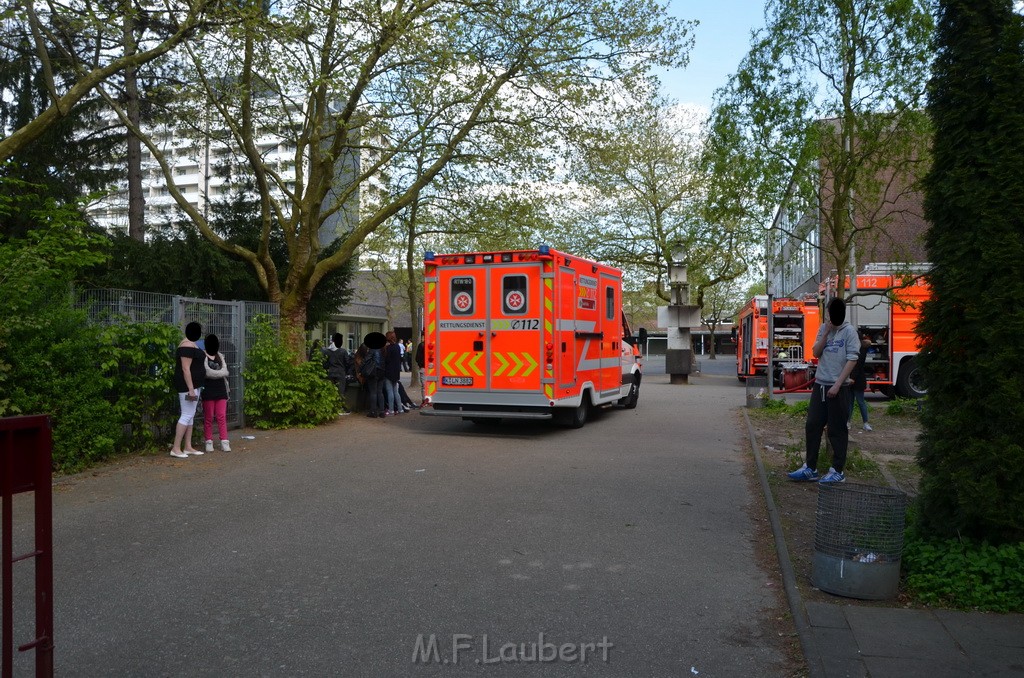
column 867, row 427
column 225, row 446
column 209, row 446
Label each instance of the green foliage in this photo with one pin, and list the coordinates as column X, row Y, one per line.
column 137, row 364
column 105, row 388
column 971, row 456
column 902, row 407
column 283, row 393
column 965, row 574
column 177, row 259
column 779, row 407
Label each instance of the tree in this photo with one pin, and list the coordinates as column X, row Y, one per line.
column 823, row 118
column 175, row 259
column 642, row 172
column 720, row 305
column 971, row 456
column 71, row 157
column 355, row 88
column 80, row 46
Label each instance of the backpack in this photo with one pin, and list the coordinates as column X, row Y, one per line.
column 373, row 364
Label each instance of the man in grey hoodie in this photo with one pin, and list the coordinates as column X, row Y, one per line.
column 836, row 348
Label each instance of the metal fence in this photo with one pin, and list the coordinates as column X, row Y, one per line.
column 229, row 320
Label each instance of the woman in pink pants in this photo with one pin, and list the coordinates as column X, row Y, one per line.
column 215, row 395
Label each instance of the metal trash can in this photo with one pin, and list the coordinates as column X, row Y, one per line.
column 858, row 540
column 757, row 391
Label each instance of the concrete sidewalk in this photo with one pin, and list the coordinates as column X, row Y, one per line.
column 842, row 639
column 883, row 642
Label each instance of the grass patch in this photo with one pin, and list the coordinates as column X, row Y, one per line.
column 778, row 407
column 903, row 407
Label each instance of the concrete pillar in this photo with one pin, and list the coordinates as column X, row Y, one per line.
column 677, row 318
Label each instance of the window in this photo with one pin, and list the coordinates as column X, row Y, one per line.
column 609, row 303
column 461, row 296
column 513, row 295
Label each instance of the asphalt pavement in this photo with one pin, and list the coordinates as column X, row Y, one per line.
column 427, row 546
column 418, row 546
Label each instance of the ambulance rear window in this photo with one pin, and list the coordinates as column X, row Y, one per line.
column 462, row 296
column 513, row 295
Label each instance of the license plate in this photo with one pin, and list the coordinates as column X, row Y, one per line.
column 457, row 381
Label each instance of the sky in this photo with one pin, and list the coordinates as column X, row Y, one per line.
column 720, row 42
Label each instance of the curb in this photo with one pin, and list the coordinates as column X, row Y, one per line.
column 803, row 627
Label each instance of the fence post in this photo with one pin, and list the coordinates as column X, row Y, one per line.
column 241, row 313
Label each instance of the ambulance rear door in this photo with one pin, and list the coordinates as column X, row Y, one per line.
column 461, row 329
column 515, row 332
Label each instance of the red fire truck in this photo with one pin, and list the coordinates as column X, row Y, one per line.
column 795, row 323
column 525, row 334
column 885, row 308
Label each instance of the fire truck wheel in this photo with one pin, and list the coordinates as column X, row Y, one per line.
column 910, row 383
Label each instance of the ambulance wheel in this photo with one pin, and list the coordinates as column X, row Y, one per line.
column 577, row 417
column 629, row 402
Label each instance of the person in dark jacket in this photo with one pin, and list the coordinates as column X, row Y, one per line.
column 338, row 363
column 215, row 394
column 421, row 364
column 189, row 377
column 392, row 375
column 860, row 384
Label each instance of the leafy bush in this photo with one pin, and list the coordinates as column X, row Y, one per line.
column 105, row 388
column 901, row 407
column 138, row 368
column 280, row 393
column 965, row 574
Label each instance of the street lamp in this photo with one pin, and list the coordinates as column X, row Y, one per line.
column 677, row 277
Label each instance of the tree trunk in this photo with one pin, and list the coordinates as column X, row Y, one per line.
column 293, row 326
column 136, row 202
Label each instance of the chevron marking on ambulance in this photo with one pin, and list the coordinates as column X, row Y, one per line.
column 532, row 364
column 445, row 365
column 473, row 362
column 504, row 364
column 458, row 363
column 517, row 361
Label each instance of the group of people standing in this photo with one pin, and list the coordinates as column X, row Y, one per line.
column 378, row 370
column 200, row 374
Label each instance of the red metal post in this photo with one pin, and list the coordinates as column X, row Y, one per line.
column 26, row 461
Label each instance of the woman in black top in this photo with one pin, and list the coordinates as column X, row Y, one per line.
column 189, row 377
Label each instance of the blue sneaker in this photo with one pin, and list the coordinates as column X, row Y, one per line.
column 803, row 474
column 833, row 476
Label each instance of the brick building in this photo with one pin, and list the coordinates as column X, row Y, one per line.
column 888, row 218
